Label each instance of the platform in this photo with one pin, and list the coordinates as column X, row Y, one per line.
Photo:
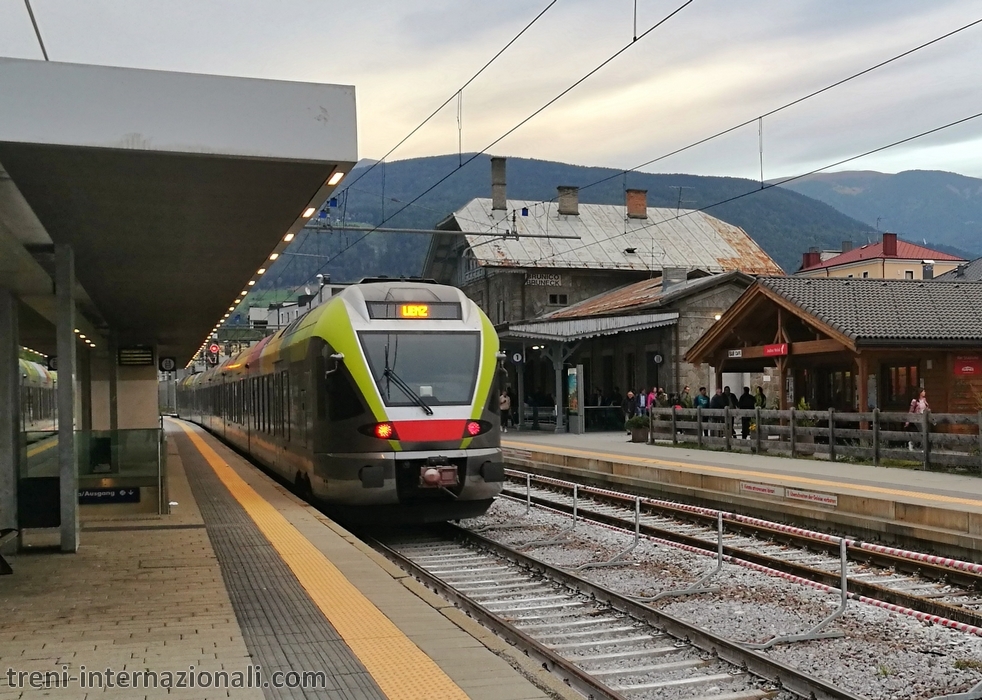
column 241, row 574
column 930, row 510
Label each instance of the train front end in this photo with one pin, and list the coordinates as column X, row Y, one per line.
column 410, row 428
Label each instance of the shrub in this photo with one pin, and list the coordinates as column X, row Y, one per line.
column 637, row 422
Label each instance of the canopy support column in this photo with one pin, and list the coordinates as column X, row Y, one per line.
column 9, row 410
column 67, row 466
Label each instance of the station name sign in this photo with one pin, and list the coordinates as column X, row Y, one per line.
column 538, row 279
column 776, row 350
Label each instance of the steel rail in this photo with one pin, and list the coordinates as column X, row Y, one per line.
column 732, row 652
column 857, row 587
column 576, row 678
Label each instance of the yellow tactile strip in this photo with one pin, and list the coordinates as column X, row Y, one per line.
column 735, row 471
column 401, row 669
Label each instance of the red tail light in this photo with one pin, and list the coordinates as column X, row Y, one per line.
column 382, row 431
column 473, row 428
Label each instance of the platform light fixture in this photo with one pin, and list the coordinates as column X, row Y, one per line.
column 261, row 270
column 273, row 256
column 288, row 237
column 252, row 282
column 335, row 178
column 231, row 308
column 309, row 212
column 718, row 316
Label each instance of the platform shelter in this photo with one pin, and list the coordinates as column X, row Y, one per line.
column 137, row 207
column 855, row 344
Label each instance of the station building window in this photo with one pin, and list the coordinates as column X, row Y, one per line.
column 900, row 384
column 558, row 300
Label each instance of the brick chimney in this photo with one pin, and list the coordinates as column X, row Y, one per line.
column 890, row 245
column 637, row 204
column 811, row 258
column 499, row 199
column 569, row 200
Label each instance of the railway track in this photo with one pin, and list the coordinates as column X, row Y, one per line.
column 603, row 644
column 943, row 590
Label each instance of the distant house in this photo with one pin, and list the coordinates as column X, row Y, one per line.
column 889, row 259
column 965, row 272
column 523, row 259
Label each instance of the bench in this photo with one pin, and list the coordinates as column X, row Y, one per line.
column 5, row 536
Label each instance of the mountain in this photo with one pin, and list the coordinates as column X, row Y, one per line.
column 945, row 209
column 783, row 222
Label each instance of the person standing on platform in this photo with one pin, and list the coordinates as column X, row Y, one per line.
column 718, row 403
column 702, row 401
column 760, row 398
column 629, row 408
column 918, row 406
column 745, row 402
column 504, row 407
column 685, row 398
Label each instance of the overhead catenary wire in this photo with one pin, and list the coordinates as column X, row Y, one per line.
column 457, row 94
column 771, row 185
column 510, row 131
column 787, row 105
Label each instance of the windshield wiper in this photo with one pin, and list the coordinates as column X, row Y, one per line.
column 391, row 375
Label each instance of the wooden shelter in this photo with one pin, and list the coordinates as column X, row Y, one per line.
column 855, row 344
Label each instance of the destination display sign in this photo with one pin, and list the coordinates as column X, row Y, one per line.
column 135, row 356
column 415, row 310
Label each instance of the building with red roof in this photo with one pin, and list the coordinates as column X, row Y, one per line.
column 891, row 259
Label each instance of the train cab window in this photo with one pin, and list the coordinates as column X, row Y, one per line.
column 440, row 368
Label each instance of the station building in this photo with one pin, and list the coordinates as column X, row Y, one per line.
column 521, row 260
column 855, row 344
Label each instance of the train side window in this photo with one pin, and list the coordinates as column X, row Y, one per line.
column 343, row 401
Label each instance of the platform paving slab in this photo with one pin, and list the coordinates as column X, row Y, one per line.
column 465, row 659
column 113, row 605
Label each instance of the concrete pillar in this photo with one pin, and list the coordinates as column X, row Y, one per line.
column 113, row 382
column 85, row 391
column 9, row 410
column 67, row 466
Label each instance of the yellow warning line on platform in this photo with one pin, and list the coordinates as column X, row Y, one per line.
column 38, row 449
column 748, row 473
column 401, row 669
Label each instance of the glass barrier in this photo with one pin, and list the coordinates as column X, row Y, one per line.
column 114, row 466
column 603, row 418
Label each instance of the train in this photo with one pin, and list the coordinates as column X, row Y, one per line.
column 38, row 402
column 380, row 403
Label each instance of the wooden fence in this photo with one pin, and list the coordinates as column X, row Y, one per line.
column 930, row 439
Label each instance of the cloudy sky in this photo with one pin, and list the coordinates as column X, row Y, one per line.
column 715, row 64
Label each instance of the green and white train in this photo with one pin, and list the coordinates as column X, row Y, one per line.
column 38, row 403
column 381, row 403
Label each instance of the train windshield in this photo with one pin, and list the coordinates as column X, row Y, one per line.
column 439, row 368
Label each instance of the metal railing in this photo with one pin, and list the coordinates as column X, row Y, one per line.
column 928, row 439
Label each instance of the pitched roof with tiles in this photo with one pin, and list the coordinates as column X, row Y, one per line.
column 646, row 294
column 874, row 251
column 969, row 272
column 603, row 237
column 891, row 311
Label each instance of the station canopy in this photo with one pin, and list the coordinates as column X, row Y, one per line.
column 172, row 189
